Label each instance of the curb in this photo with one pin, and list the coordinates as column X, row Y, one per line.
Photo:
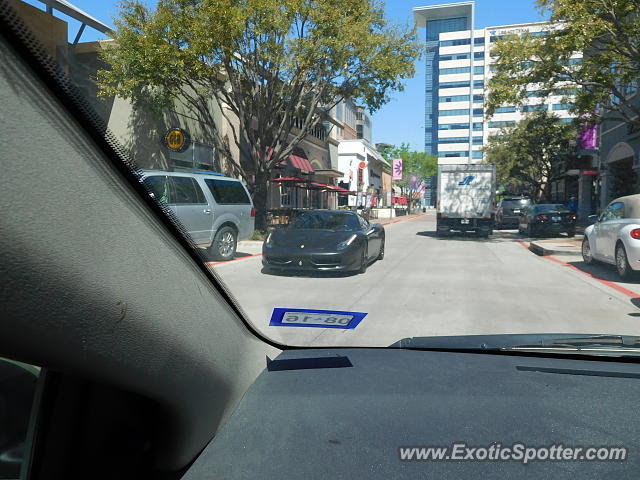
column 542, row 251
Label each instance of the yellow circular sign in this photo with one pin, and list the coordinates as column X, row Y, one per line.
column 175, row 139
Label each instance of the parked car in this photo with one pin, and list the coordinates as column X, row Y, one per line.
column 325, row 240
column 214, row 210
column 548, row 219
column 508, row 211
column 614, row 238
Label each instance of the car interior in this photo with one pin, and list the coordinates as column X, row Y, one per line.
column 124, row 356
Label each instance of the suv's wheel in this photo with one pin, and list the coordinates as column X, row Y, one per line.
column 587, row 255
column 224, row 244
column 622, row 263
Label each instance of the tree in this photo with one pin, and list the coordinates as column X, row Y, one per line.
column 532, row 153
column 417, row 165
column 606, row 32
column 273, row 66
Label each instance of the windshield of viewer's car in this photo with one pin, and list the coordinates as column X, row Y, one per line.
column 386, row 169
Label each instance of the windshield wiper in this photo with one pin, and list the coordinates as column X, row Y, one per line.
column 569, row 343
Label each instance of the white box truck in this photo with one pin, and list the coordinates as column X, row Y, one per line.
column 466, row 198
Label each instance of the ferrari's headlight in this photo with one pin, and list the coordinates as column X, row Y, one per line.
column 268, row 243
column 347, row 242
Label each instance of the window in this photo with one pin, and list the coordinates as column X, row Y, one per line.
column 453, row 140
column 478, row 112
column 457, row 56
column 478, row 84
column 186, row 191
column 509, row 109
column 286, row 195
column 453, row 126
column 454, row 43
column 478, row 41
column 364, row 225
column 203, row 156
column 477, row 140
column 17, row 392
column 501, row 124
column 450, row 71
column 479, row 70
column 615, row 211
column 562, row 106
column 228, row 192
column 478, row 55
column 478, row 125
column 536, row 93
column 453, row 154
column 159, row 188
column 478, row 98
column 444, row 85
column 460, row 111
column 567, row 120
column 495, row 38
column 534, row 108
column 197, row 156
column 477, row 154
column 454, row 98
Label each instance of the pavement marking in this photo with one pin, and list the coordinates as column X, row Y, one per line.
column 608, row 283
column 213, row 264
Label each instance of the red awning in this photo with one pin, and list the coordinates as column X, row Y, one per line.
column 299, row 162
column 319, row 185
column 288, row 179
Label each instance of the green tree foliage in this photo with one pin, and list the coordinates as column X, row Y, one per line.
column 607, row 32
column 532, row 153
column 274, row 65
column 415, row 164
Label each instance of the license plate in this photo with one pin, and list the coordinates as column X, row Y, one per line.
column 464, row 221
column 516, row 211
column 315, row 318
column 556, row 219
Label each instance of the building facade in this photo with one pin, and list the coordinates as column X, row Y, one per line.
column 619, row 158
column 458, row 67
column 364, row 173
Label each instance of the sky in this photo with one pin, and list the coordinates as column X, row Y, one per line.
column 402, row 119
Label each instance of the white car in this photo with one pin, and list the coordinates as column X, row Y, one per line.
column 614, row 238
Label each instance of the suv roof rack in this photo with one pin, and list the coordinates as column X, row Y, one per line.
column 204, row 172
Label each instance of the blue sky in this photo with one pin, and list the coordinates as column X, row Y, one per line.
column 402, row 119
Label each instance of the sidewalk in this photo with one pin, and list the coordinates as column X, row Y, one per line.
column 558, row 246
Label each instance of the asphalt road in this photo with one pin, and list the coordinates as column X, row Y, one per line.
column 426, row 285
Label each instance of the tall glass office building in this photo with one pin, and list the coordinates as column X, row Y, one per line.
column 458, row 65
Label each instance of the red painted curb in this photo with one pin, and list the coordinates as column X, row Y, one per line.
column 211, row 264
column 608, row 283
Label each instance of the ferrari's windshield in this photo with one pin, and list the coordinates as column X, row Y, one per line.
column 346, row 222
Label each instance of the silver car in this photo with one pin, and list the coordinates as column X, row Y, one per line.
column 215, row 210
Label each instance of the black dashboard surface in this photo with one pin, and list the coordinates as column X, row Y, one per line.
column 344, row 413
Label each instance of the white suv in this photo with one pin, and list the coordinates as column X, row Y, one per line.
column 214, row 210
column 615, row 236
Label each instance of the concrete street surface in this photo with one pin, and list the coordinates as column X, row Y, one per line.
column 427, row 285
